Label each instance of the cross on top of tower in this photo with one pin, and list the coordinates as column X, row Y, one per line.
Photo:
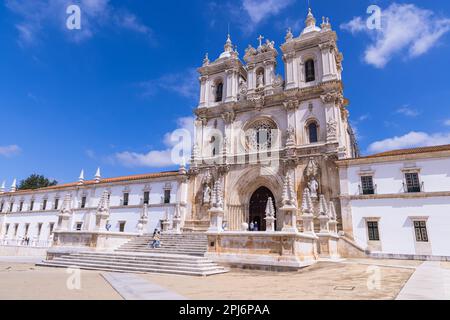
column 260, row 39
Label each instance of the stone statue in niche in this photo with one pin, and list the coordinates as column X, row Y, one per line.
column 206, row 194
column 260, row 80
column 313, row 187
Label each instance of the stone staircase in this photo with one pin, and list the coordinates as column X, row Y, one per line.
column 193, row 244
column 179, row 255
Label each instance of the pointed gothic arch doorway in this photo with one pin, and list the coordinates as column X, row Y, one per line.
column 258, row 205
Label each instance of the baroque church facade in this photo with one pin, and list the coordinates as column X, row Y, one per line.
column 253, row 128
column 275, row 176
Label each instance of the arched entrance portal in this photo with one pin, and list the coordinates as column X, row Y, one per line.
column 258, row 205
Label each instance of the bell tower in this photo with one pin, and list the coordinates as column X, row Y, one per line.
column 313, row 57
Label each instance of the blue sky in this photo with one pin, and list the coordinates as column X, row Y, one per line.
column 109, row 94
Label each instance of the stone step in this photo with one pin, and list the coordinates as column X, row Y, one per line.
column 179, row 252
column 133, row 255
column 109, row 268
column 118, row 264
column 146, row 261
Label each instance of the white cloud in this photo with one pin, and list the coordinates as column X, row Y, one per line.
column 37, row 15
column 9, row 151
column 184, row 84
column 406, row 31
column 158, row 158
column 408, row 111
column 447, row 122
column 261, row 9
column 410, row 140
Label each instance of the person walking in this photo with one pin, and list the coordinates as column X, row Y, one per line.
column 157, row 240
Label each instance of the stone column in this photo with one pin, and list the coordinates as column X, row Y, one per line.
column 270, row 216
column 216, row 213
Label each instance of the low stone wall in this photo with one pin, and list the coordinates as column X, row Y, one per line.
column 22, row 251
column 97, row 241
column 350, row 249
column 270, row 250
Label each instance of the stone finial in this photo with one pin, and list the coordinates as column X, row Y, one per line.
column 98, row 176
column 3, row 187
column 307, row 205
column 228, row 44
column 66, row 207
column 289, row 197
column 182, row 169
column 332, row 211
column 14, row 186
column 323, row 208
column 270, row 209
column 289, row 36
column 310, row 20
column 81, row 178
column 206, row 60
column 103, row 206
column 217, row 196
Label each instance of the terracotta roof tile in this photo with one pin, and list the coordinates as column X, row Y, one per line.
column 410, row 151
column 104, row 181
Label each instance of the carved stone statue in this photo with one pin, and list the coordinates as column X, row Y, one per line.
column 206, row 194
column 260, row 80
column 313, row 187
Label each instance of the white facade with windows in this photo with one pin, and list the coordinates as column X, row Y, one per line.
column 406, row 208
column 159, row 193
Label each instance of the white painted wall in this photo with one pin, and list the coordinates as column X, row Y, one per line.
column 396, row 213
column 129, row 214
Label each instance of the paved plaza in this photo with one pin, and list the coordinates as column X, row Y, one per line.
column 362, row 279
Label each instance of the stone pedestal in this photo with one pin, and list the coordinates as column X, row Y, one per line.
column 270, row 224
column 308, row 223
column 101, row 219
column 142, row 226
column 64, row 222
column 165, row 225
column 290, row 219
column 333, row 225
column 324, row 228
column 177, row 225
column 216, row 220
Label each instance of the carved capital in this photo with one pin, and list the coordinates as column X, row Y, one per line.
column 229, row 117
column 291, row 105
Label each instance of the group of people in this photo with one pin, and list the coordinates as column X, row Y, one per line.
column 254, row 226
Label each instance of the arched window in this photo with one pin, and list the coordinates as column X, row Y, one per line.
column 219, row 92
column 310, row 73
column 260, row 135
column 214, row 146
column 313, row 133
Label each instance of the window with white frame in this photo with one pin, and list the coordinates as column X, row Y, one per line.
column 126, row 199
column 367, row 186
column 56, row 205
column 412, row 182
column 147, row 197
column 83, row 202
column 44, row 204
column 373, row 230
column 420, row 228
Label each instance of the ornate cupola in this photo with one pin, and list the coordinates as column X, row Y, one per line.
column 261, row 66
column 219, row 79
